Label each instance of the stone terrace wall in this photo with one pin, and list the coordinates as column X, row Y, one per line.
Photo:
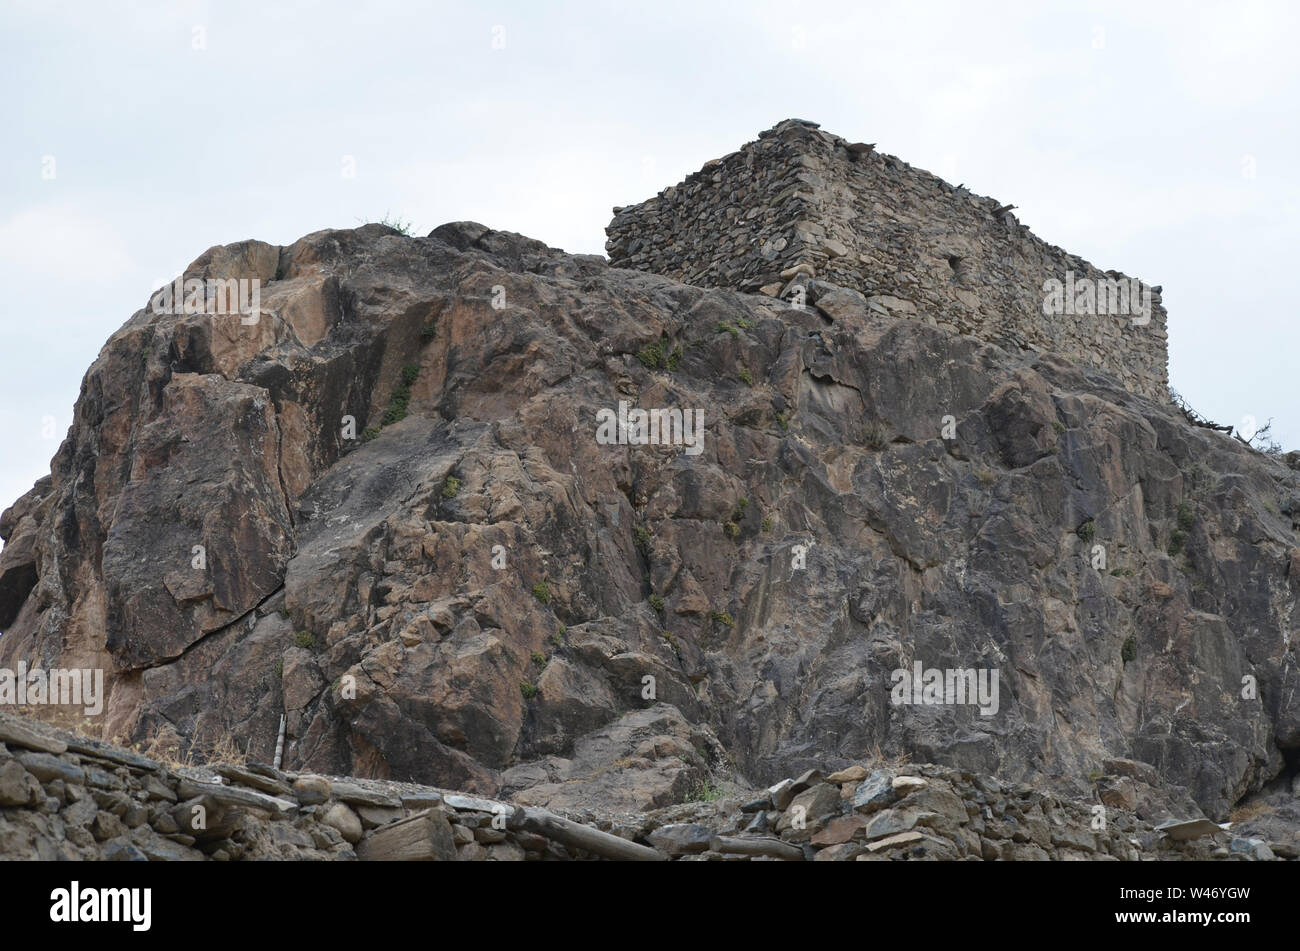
column 913, row 244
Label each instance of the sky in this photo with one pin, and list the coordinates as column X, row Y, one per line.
column 1158, row 139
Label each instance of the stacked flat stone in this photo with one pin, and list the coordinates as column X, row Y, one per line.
column 916, row 246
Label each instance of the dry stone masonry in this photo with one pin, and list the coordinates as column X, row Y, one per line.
column 66, row 797
column 800, row 201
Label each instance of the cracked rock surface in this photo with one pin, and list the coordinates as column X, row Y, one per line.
column 382, row 511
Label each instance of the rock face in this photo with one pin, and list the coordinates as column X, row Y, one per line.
column 383, row 511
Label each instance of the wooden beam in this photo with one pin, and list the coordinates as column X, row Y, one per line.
column 578, row 836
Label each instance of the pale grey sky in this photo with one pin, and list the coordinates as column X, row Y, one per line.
column 1159, row 139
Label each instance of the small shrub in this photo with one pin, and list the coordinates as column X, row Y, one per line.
column 1058, row 426
column 727, row 328
column 986, row 476
column 746, row 376
column 1186, row 517
column 1087, row 531
column 672, row 641
column 539, row 658
column 875, row 437
column 527, row 689
column 767, row 523
column 722, row 617
column 783, row 421
column 1176, row 542
column 428, row 332
column 1129, row 651
column 371, row 432
column 732, row 529
column 743, row 323
column 450, row 487
column 305, row 639
column 657, row 602
column 642, row 534
column 279, row 669
column 674, row 358
column 652, row 357
column 401, row 398
column 542, row 592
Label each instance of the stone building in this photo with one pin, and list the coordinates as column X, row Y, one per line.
column 802, row 200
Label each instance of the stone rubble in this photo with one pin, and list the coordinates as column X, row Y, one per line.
column 99, row 803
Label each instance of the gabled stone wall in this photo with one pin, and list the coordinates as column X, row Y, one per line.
column 915, row 245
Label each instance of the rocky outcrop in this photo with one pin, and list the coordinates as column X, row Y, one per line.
column 383, row 512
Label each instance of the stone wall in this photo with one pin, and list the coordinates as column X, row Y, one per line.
column 67, row 797
column 916, row 246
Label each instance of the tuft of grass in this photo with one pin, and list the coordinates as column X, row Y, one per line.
column 1186, row 517
column 875, row 437
column 642, row 534
column 732, row 529
column 305, row 639
column 674, row 358
column 727, row 328
column 722, row 617
column 704, row 791
column 745, row 376
column 542, row 592
column 397, row 224
column 450, row 487
column 783, row 421
column 1087, row 531
column 656, row 602
column 279, row 669
column 538, row 658
column 527, row 689
column 767, row 523
column 371, row 432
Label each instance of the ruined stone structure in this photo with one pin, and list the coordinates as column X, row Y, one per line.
column 913, row 244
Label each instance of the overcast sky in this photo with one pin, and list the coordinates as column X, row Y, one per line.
column 1156, row 139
